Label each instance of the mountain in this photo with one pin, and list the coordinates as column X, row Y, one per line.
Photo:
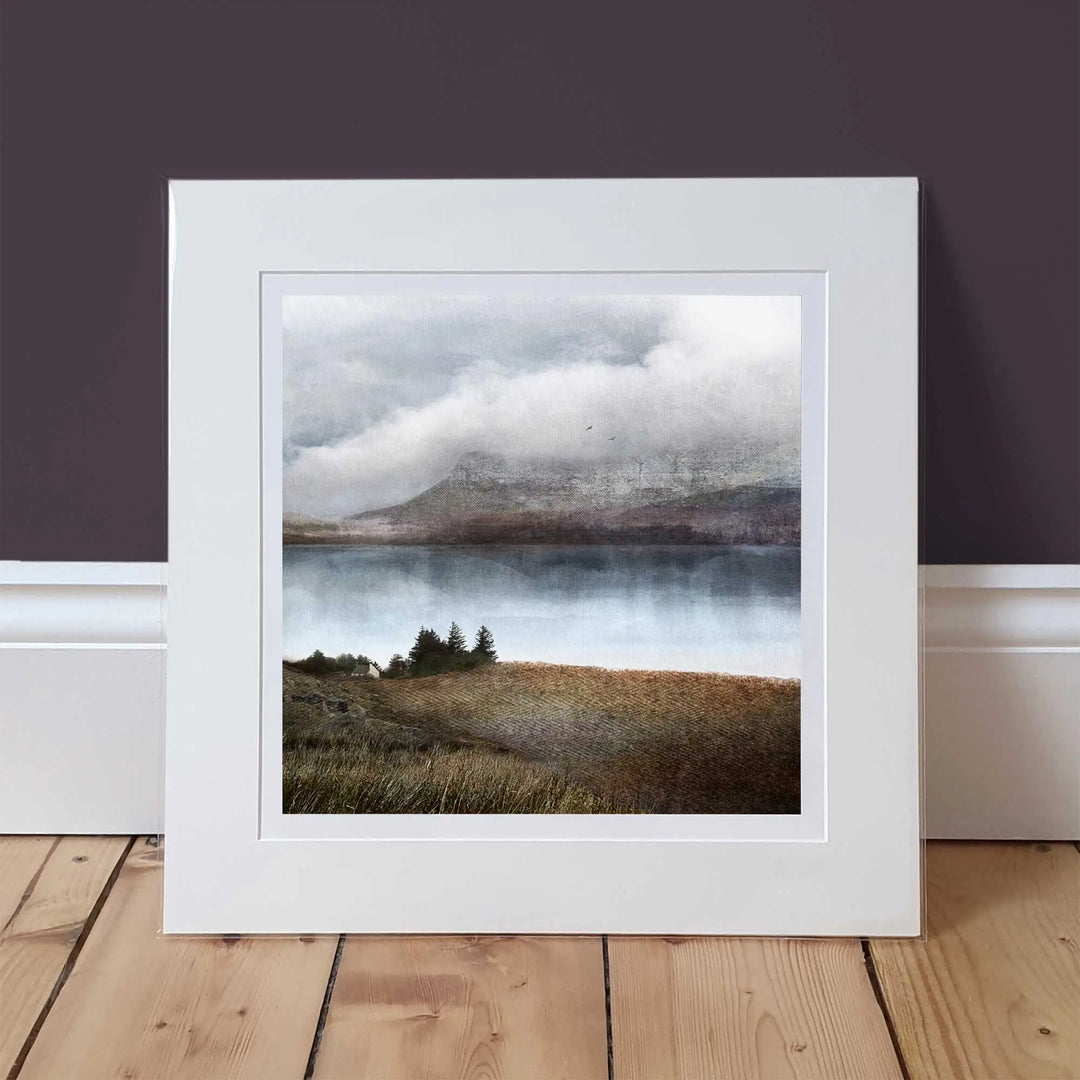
column 671, row 498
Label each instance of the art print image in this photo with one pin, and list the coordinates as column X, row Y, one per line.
column 541, row 553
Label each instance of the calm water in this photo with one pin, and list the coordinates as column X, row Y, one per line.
column 676, row 608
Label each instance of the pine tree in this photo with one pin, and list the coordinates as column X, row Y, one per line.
column 485, row 644
column 317, row 663
column 455, row 640
column 398, row 666
column 426, row 652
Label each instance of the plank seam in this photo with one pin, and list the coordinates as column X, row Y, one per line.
column 607, row 1008
column 32, row 884
column 69, row 964
column 316, row 1041
column 879, row 995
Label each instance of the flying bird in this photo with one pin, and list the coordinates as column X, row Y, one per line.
column 611, row 438
column 589, row 428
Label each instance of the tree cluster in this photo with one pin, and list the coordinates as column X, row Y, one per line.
column 432, row 654
column 319, row 664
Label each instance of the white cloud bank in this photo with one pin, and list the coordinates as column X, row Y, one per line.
column 724, row 375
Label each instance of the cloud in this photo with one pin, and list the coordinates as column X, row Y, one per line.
column 719, row 374
column 352, row 360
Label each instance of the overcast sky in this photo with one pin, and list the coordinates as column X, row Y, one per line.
column 382, row 394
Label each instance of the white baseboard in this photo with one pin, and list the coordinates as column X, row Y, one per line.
column 81, row 747
column 82, row 699
column 1001, row 690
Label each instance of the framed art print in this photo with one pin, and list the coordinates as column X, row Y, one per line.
column 543, row 557
column 532, row 548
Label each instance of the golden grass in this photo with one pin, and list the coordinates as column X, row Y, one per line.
column 544, row 738
column 443, row 780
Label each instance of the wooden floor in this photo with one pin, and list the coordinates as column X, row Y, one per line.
column 88, row 988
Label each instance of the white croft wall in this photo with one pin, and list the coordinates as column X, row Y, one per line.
column 82, row 670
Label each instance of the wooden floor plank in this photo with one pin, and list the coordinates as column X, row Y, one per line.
column 745, row 1009
column 21, row 858
column 39, row 936
column 141, row 1006
column 994, row 991
column 430, row 1008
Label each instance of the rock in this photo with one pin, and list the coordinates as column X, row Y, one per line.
column 330, row 705
column 349, row 722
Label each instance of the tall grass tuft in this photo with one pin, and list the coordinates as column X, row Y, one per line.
column 358, row 777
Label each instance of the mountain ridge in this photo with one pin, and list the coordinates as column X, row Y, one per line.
column 488, row 498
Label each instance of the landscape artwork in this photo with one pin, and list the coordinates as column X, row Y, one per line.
column 541, row 553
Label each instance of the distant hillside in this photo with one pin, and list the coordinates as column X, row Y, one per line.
column 488, row 499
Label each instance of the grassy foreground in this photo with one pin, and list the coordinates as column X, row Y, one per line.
column 541, row 738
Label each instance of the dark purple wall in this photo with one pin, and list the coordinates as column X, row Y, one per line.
column 99, row 99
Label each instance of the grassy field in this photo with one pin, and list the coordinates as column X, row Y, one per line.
column 541, row 738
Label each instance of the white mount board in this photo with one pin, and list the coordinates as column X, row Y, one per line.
column 864, row 878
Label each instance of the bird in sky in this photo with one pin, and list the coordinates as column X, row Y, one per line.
column 589, row 428
column 611, row 438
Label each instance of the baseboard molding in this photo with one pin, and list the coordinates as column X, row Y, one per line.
column 73, row 605
column 1001, row 691
column 82, row 668
column 1005, row 576
column 82, row 697
column 81, row 732
column 1001, row 608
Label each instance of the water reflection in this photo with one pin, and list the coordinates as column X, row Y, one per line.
column 733, row 609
